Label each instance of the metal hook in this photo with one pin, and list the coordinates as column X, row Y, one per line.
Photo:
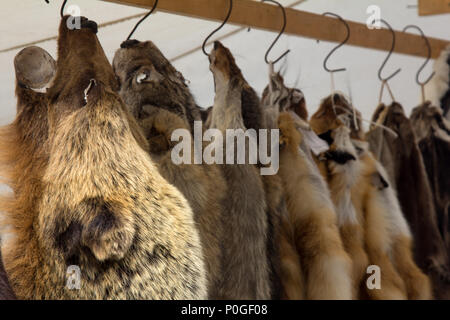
column 388, row 56
column 62, row 8
column 338, row 46
column 140, row 21
column 278, row 37
column 427, row 42
column 216, row 30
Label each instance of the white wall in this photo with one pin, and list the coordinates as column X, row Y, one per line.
column 30, row 20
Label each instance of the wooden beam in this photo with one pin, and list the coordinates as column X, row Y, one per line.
column 429, row 7
column 268, row 17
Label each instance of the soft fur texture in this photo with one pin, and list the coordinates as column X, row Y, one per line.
column 403, row 161
column 325, row 263
column 438, row 89
column 387, row 237
column 432, row 132
column 311, row 220
column 163, row 103
column 287, row 275
column 87, row 194
column 246, row 267
column 341, row 178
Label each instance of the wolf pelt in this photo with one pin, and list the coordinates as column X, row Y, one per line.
column 160, row 100
column 246, row 266
column 87, row 194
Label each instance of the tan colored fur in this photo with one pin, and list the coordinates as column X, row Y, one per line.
column 326, row 265
column 87, row 194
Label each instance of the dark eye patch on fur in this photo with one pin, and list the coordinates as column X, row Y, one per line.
column 327, row 137
column 340, row 157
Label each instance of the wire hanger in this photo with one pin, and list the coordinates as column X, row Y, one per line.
column 143, row 18
column 216, row 30
column 266, row 57
column 384, row 81
column 427, row 42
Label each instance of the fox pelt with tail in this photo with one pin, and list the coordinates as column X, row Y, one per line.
column 387, row 238
column 87, row 196
column 324, row 265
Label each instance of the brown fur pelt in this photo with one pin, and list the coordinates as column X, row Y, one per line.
column 162, row 104
column 301, row 260
column 246, row 263
column 87, row 194
column 341, row 168
column 432, row 132
column 325, row 263
column 387, row 239
column 404, row 163
column 287, row 276
column 140, row 66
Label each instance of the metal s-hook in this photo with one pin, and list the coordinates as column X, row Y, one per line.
column 427, row 42
column 62, row 8
column 140, row 21
column 216, row 30
column 338, row 46
column 388, row 56
column 266, row 57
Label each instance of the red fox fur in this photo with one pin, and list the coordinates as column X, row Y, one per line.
column 386, row 236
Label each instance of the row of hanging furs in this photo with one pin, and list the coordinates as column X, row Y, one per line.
column 94, row 188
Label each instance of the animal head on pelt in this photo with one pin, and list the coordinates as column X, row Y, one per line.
column 287, row 99
column 149, row 81
column 227, row 74
column 334, row 111
column 92, row 192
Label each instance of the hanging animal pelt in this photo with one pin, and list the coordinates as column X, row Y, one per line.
column 438, row 89
column 432, row 132
column 387, row 237
column 287, row 274
column 401, row 157
column 91, row 217
column 325, row 266
column 246, row 268
column 156, row 93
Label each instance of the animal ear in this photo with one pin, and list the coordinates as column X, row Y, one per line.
column 379, row 182
column 35, row 68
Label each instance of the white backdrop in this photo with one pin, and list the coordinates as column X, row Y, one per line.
column 31, row 20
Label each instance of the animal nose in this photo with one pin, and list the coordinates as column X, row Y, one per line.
column 129, row 44
column 89, row 24
column 216, row 45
